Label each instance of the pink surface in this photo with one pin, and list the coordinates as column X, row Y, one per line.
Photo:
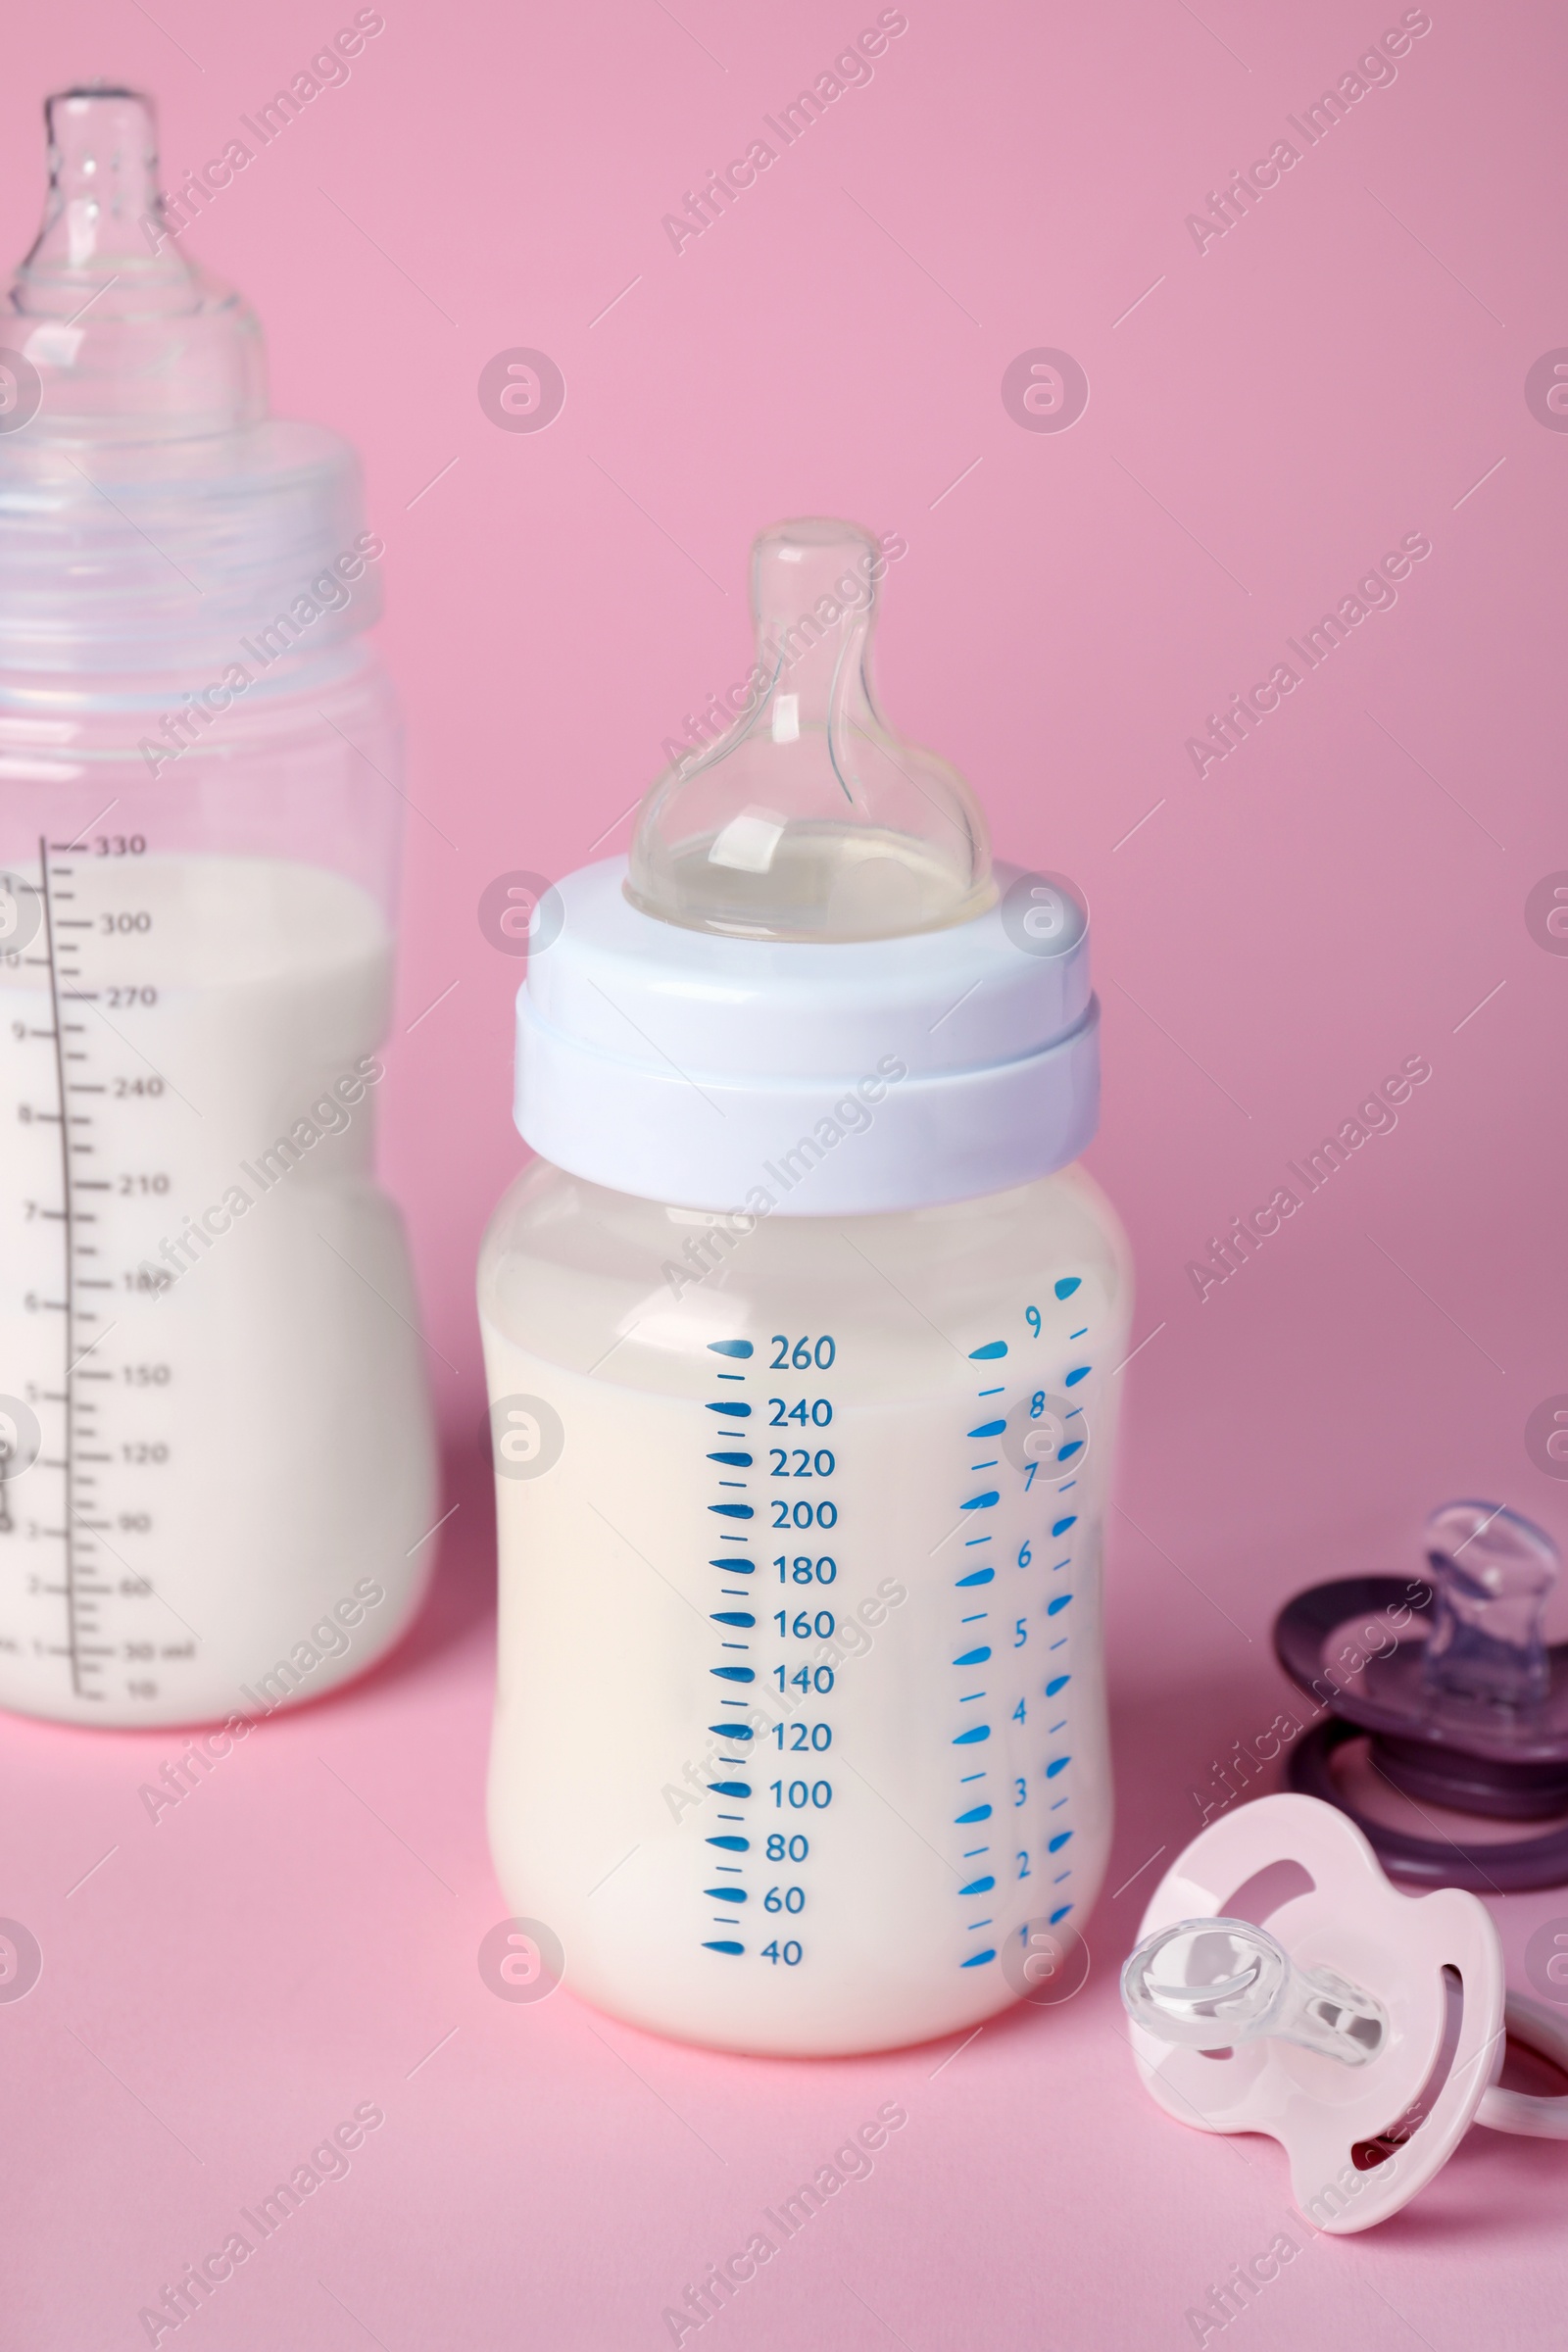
column 1267, row 416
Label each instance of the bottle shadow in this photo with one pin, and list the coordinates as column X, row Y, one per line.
column 460, row 1596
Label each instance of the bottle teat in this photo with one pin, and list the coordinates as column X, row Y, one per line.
column 1491, row 1571
column 1214, row 1984
column 809, row 819
column 130, row 340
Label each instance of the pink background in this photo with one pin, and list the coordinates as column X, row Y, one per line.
column 1345, row 366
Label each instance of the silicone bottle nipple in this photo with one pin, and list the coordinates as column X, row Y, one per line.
column 809, row 819
column 130, row 340
column 1213, row 1984
column 1491, row 1570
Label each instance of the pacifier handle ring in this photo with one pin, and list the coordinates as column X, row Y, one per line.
column 1498, row 1867
column 1535, row 2117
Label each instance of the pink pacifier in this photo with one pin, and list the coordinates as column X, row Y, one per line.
column 1361, row 2028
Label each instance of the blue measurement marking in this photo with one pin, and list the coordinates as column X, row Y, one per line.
column 1062, row 1644
column 735, row 1567
column 1079, row 1335
column 730, row 1788
column 725, row 1894
column 734, row 1845
column 733, row 1511
column 1054, row 1608
column 970, row 1776
column 1059, row 1564
column 1057, row 1803
column 1065, row 1288
column 1057, row 1764
column 732, row 1617
column 733, row 1461
column 729, row 1376
column 734, row 1674
column 725, row 1946
column 969, row 1542
column 733, row 1731
column 737, row 1348
column 1061, row 1878
column 1080, row 1372
column 1052, row 1729
column 1061, row 1526
column 1058, row 1841
column 732, row 1406
column 983, row 1500
column 1059, row 1915
column 1065, row 1453
column 1057, row 1682
column 978, row 1618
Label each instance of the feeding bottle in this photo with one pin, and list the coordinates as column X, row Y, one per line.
column 215, row 1463
column 800, row 1335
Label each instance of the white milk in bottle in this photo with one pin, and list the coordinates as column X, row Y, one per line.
column 800, row 1337
column 215, row 1460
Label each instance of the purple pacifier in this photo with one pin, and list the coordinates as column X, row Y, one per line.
column 1466, row 1707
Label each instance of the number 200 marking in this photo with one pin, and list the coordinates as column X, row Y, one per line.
column 804, row 1514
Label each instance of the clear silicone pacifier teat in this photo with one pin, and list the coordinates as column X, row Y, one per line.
column 129, row 339
column 809, row 819
column 1214, row 1984
column 1491, row 1571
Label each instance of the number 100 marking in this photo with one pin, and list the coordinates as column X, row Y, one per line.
column 801, row 1794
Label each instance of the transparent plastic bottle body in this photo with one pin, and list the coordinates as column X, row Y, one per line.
column 221, row 1463
column 801, row 1726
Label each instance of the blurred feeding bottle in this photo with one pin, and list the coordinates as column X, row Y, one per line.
column 800, row 1335
column 215, row 1460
